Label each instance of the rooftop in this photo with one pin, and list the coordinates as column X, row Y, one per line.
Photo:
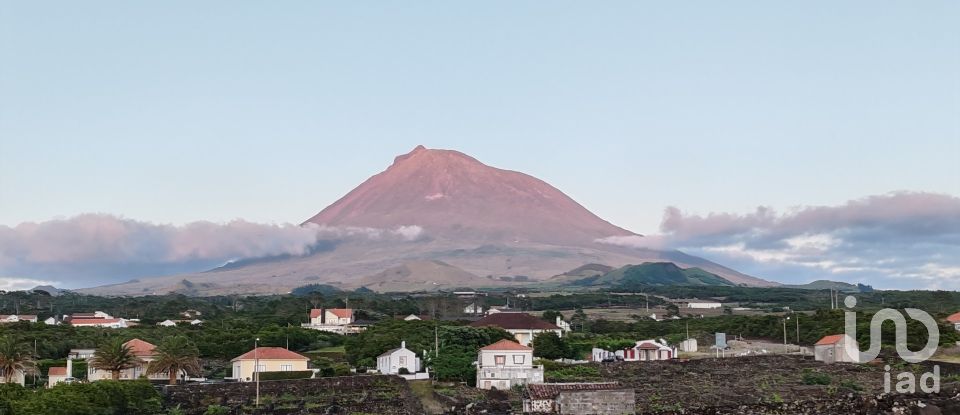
column 516, row 321
column 506, row 345
column 831, row 339
column 270, row 353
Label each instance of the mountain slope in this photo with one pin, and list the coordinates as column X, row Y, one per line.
column 436, row 218
column 654, row 273
column 454, row 196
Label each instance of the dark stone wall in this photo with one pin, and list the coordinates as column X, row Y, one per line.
column 371, row 394
column 599, row 402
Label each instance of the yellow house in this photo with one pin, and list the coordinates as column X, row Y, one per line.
column 266, row 359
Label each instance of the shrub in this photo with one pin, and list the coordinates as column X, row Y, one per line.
column 815, row 378
column 287, row 375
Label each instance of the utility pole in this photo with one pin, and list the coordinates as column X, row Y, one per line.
column 256, row 369
column 785, row 334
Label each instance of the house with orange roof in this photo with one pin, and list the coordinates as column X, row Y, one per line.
column 832, row 349
column 59, row 374
column 144, row 352
column 506, row 363
column 266, row 359
column 955, row 320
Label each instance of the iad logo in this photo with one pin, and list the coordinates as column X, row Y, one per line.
column 906, row 381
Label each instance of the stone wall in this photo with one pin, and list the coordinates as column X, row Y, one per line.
column 597, row 402
column 371, row 394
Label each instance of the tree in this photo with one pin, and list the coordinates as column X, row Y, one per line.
column 551, row 315
column 549, row 345
column 579, row 319
column 14, row 357
column 113, row 356
column 173, row 355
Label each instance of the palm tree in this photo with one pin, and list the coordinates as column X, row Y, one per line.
column 113, row 356
column 173, row 355
column 14, row 357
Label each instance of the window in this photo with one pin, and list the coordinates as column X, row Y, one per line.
column 518, row 359
column 500, row 359
column 403, row 360
column 261, row 368
column 286, row 368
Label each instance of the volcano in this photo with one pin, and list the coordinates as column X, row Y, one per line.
column 437, row 219
column 453, row 196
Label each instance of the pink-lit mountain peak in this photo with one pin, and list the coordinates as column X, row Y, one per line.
column 453, row 196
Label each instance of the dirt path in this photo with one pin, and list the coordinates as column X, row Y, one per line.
column 423, row 389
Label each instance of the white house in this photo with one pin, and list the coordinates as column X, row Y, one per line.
column 832, row 349
column 51, row 321
column 113, row 323
column 506, row 363
column 473, row 308
column 646, row 350
column 18, row 377
column 171, row 323
column 16, row 318
column 82, row 353
column 59, row 374
column 331, row 316
column 563, row 324
column 333, row 320
column 524, row 327
column 602, row 355
column 392, row 361
column 412, row 317
column 704, row 304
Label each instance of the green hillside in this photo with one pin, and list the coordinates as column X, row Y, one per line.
column 654, row 274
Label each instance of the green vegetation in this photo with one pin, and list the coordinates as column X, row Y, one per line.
column 175, row 354
column 659, row 273
column 811, row 377
column 15, row 357
column 113, row 356
column 98, row 398
column 294, row 374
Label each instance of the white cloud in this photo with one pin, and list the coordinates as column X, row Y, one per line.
column 901, row 238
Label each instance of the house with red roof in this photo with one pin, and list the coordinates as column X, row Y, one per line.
column 59, row 374
column 524, row 327
column 833, row 348
column 334, row 320
column 955, row 320
column 506, row 363
column 144, row 352
column 646, row 350
column 266, row 359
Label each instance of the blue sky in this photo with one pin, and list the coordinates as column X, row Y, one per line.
column 175, row 112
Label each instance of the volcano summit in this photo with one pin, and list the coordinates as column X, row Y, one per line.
column 436, row 219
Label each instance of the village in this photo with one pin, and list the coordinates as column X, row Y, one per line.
column 523, row 361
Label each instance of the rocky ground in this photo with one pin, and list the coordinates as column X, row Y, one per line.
column 757, row 385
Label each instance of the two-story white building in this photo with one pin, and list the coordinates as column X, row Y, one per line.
column 333, row 320
column 524, row 327
column 506, row 363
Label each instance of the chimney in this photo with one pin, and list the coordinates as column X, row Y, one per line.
column 323, row 316
column 69, row 367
